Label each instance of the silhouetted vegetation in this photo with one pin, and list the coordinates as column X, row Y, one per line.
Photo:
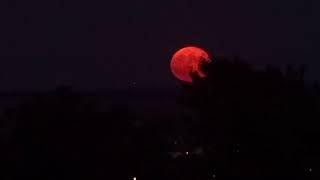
column 265, row 121
column 248, row 123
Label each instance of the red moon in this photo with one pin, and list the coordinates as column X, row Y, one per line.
column 188, row 60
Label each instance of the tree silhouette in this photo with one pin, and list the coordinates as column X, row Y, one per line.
column 264, row 114
column 63, row 135
column 66, row 135
column 249, row 123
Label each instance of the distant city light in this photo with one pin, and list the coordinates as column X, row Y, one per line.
column 214, row 174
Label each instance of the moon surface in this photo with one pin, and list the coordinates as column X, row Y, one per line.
column 188, row 60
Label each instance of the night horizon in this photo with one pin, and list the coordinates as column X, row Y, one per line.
column 139, row 90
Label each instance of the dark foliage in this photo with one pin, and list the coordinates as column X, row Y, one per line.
column 61, row 135
column 262, row 123
column 248, row 123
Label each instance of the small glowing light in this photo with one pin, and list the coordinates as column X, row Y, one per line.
column 134, row 178
column 187, row 153
column 310, row 169
column 214, row 174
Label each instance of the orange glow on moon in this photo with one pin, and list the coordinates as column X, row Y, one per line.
column 187, row 60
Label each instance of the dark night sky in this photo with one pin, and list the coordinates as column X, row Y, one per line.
column 109, row 45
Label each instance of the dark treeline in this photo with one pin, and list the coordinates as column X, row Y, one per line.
column 263, row 122
column 250, row 124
